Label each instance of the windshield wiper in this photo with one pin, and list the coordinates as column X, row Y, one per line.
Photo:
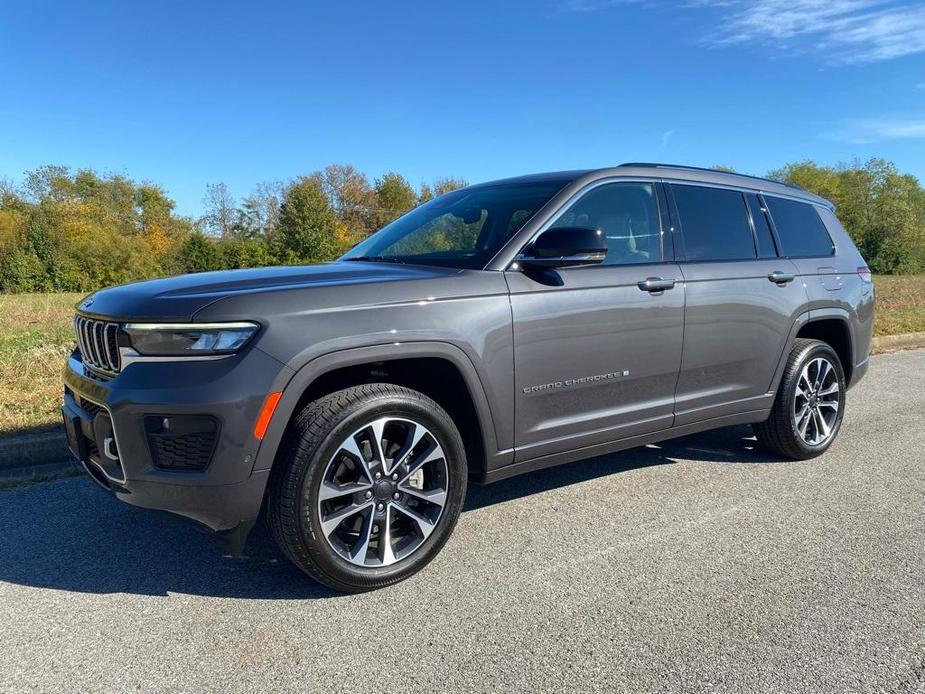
column 375, row 259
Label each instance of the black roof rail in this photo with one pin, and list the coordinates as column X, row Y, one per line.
column 703, row 168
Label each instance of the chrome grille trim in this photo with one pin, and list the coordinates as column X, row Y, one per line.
column 95, row 344
column 96, row 349
column 112, row 348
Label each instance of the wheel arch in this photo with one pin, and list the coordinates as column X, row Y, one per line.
column 833, row 328
column 825, row 324
column 437, row 369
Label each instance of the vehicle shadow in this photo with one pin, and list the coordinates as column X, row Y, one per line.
column 730, row 445
column 70, row 535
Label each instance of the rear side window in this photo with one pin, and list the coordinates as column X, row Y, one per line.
column 714, row 223
column 762, row 228
column 799, row 228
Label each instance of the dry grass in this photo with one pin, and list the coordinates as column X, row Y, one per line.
column 900, row 304
column 36, row 336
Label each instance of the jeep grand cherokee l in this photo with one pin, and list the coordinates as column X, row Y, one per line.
column 497, row 329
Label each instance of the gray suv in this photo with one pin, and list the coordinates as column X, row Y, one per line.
column 499, row 329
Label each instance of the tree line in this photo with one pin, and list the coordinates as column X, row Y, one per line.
column 64, row 230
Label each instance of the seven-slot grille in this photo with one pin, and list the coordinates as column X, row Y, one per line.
column 99, row 346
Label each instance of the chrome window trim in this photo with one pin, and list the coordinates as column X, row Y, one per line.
column 744, row 189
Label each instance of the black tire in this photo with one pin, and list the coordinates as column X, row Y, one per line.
column 779, row 433
column 313, row 438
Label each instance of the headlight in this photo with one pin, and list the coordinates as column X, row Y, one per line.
column 188, row 339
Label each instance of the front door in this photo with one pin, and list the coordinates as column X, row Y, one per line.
column 596, row 355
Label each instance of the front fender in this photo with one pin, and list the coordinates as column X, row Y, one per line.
column 293, row 385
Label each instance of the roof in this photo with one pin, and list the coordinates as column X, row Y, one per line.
column 675, row 172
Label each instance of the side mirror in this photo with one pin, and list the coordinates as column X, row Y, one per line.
column 565, row 247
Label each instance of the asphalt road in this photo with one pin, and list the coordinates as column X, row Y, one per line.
column 698, row 565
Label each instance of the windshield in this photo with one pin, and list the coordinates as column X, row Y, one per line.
column 463, row 229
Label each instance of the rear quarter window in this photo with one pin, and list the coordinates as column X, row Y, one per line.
column 800, row 229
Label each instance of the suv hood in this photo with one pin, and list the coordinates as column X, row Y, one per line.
column 180, row 298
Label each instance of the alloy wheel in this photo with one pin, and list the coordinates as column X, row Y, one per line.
column 817, row 401
column 383, row 492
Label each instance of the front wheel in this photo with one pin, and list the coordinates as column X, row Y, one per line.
column 369, row 486
column 810, row 403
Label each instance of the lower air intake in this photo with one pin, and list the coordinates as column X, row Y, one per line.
column 181, row 443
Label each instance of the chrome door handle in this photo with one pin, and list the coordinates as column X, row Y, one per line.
column 655, row 284
column 778, row 277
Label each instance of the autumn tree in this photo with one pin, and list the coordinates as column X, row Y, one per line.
column 220, row 212
column 201, row 253
column 309, row 231
column 439, row 187
column 351, row 197
column 882, row 210
column 258, row 216
column 75, row 230
column 394, row 196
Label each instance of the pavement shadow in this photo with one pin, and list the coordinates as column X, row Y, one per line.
column 730, row 445
column 72, row 536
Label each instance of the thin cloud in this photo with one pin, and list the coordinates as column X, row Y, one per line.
column 666, row 137
column 841, row 31
column 868, row 131
column 844, row 31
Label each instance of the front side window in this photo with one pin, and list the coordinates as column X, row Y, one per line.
column 799, row 228
column 714, row 223
column 627, row 213
column 462, row 229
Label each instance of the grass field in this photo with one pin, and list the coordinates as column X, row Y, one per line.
column 900, row 304
column 36, row 335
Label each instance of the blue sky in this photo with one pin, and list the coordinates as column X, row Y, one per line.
column 187, row 93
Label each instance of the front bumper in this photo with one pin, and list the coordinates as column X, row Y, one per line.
column 108, row 422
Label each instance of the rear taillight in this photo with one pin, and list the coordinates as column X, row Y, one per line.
column 864, row 274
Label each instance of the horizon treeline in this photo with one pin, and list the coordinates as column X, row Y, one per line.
column 64, row 230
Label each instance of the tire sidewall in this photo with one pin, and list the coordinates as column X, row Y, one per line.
column 406, row 406
column 818, row 349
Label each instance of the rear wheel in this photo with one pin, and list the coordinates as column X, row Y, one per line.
column 810, row 403
column 369, row 487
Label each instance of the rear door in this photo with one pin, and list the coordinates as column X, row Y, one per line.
column 742, row 300
column 596, row 356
